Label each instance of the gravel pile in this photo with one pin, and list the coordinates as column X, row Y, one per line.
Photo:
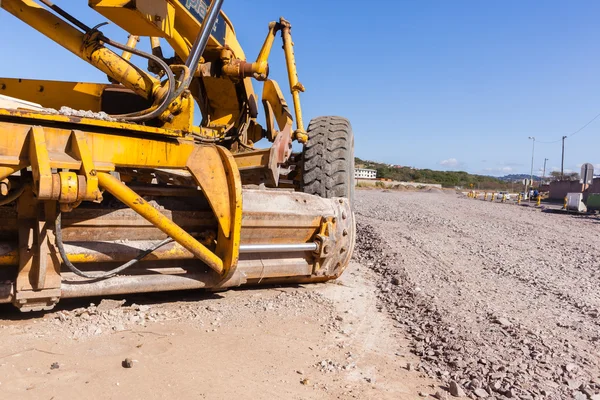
column 496, row 306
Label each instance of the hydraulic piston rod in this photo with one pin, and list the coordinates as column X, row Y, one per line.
column 277, row 248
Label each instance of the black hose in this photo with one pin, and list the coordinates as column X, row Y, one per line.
column 151, row 112
column 108, row 274
column 138, row 116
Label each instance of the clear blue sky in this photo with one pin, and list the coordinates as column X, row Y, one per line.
column 431, row 84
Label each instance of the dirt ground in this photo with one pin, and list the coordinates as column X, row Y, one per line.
column 446, row 295
column 319, row 341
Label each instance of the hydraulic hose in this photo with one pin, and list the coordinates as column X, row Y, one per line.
column 139, row 116
column 152, row 112
column 108, row 274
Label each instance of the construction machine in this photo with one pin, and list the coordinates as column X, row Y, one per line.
column 116, row 188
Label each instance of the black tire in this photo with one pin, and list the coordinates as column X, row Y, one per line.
column 328, row 158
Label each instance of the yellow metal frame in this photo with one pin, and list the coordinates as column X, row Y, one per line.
column 71, row 157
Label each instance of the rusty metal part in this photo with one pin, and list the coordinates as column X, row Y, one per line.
column 288, row 222
column 106, row 252
column 37, row 284
column 139, row 205
column 239, row 69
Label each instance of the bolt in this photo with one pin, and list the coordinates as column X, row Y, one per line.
column 341, row 201
column 345, row 232
column 93, row 172
column 326, row 249
column 157, row 18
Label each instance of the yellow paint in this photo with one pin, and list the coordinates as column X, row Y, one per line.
column 87, row 49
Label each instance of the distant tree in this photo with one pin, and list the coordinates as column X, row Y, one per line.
column 570, row 176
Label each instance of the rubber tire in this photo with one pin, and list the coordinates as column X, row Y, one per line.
column 328, row 158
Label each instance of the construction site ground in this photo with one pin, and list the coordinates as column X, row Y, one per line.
column 446, row 294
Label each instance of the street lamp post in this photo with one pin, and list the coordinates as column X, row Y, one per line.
column 544, row 173
column 532, row 154
column 562, row 163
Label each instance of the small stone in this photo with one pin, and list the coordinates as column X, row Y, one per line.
column 108, row 304
column 54, row 365
column 573, row 383
column 475, row 384
column 504, row 322
column 481, row 393
column 579, row 396
column 423, row 394
column 300, row 372
column 127, row 363
column 305, row 381
column 570, row 367
column 395, row 281
column 409, row 366
column 456, row 390
column 441, row 395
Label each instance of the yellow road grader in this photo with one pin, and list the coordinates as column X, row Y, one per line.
column 112, row 188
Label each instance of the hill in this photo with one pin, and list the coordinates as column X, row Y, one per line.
column 448, row 179
column 519, row 177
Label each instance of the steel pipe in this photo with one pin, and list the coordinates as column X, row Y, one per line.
column 277, row 248
column 202, row 40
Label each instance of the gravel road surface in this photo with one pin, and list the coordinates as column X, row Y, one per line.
column 500, row 300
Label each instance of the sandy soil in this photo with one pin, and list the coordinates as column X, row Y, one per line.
column 319, row 341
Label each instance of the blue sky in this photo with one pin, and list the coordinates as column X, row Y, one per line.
column 431, row 84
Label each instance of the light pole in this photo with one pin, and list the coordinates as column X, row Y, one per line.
column 532, row 154
column 562, row 163
column 544, row 173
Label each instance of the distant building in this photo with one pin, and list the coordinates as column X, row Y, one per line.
column 361, row 173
